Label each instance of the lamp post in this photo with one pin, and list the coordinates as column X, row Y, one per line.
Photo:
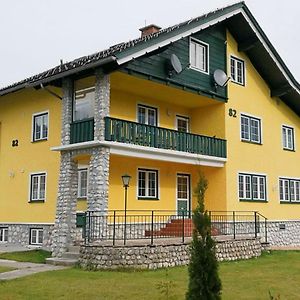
column 125, row 179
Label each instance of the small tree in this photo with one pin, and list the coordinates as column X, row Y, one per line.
column 204, row 281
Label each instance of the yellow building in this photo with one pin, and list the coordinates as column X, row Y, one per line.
column 160, row 109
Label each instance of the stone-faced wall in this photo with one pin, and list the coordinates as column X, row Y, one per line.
column 284, row 233
column 20, row 233
column 159, row 256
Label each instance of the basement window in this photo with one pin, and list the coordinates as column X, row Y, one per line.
column 36, row 236
column 3, row 234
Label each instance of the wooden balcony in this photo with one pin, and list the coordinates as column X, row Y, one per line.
column 82, row 131
column 122, row 131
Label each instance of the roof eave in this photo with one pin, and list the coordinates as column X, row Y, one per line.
column 58, row 76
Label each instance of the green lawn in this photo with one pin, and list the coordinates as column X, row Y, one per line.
column 5, row 269
column 252, row 279
column 35, row 256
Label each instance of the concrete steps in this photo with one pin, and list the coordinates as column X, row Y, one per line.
column 70, row 258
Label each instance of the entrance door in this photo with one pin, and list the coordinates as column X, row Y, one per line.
column 183, row 193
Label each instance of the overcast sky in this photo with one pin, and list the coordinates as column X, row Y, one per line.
column 36, row 34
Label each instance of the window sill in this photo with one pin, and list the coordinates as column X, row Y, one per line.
column 198, row 70
column 148, row 198
column 290, row 150
column 250, row 142
column 253, row 201
column 289, row 202
column 238, row 83
column 36, row 201
column 40, row 140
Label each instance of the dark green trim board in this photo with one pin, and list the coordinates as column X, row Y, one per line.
column 156, row 67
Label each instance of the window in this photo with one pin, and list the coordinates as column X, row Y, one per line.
column 38, row 187
column 84, row 100
column 250, row 129
column 147, row 115
column 40, row 127
column 3, row 234
column 147, row 184
column 36, row 236
column 289, row 190
column 82, row 183
column 252, row 187
column 237, row 70
column 199, row 55
column 288, row 138
column 182, row 124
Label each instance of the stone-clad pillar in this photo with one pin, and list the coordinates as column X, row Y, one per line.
column 65, row 221
column 102, row 102
column 98, row 179
column 67, row 110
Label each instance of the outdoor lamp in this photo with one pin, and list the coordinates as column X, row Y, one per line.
column 126, row 178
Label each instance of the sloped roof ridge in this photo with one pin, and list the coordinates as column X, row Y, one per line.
column 85, row 60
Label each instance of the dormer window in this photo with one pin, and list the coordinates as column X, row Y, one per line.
column 199, row 55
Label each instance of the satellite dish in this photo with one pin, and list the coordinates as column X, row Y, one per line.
column 220, row 77
column 175, row 63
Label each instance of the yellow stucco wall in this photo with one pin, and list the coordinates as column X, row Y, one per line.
column 167, row 173
column 269, row 158
column 16, row 163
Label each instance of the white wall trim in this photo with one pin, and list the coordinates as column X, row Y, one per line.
column 164, row 155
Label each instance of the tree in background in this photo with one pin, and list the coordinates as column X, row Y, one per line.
column 204, row 280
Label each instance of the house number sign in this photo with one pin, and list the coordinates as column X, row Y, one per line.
column 232, row 112
column 15, row 143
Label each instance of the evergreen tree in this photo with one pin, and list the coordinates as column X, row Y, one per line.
column 204, row 281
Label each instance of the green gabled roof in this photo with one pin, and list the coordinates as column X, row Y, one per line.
column 238, row 19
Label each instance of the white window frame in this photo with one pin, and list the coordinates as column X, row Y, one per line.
column 184, row 118
column 33, row 132
column 252, row 176
column 3, row 235
column 147, row 196
column 286, row 185
column 235, row 71
column 206, row 55
column 250, row 136
column 147, row 107
column 285, row 142
column 79, row 187
column 39, row 175
column 39, row 231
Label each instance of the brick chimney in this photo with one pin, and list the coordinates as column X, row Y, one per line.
column 152, row 28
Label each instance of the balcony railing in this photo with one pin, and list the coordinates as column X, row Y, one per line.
column 128, row 132
column 82, row 131
column 121, row 226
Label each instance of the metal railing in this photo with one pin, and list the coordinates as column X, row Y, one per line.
column 113, row 226
column 128, row 132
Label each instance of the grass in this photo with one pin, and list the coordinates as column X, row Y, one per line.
column 5, row 269
column 35, row 256
column 278, row 272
